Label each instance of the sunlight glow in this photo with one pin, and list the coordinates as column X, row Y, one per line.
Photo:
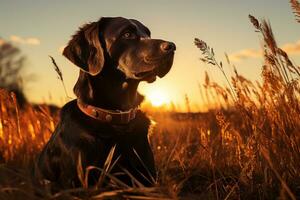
column 158, row 98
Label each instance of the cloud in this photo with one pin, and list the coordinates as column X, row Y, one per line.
column 33, row 41
column 29, row 40
column 244, row 54
column 292, row 48
column 16, row 39
column 289, row 48
column 61, row 48
column 2, row 42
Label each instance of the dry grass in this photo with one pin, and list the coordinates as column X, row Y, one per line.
column 248, row 148
column 296, row 9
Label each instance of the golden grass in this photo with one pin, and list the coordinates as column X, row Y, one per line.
column 247, row 148
column 296, row 9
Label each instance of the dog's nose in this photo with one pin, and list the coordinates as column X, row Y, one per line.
column 167, row 46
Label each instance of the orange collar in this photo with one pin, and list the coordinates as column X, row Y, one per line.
column 107, row 116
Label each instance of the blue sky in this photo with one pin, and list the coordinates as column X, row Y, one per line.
column 223, row 24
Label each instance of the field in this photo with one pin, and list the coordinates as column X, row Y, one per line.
column 248, row 147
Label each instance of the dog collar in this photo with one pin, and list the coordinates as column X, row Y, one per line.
column 107, row 116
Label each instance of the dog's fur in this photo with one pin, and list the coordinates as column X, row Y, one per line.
column 109, row 52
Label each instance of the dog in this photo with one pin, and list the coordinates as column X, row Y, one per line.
column 114, row 55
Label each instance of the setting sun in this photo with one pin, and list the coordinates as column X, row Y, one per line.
column 157, row 98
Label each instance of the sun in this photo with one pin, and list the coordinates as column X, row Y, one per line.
column 158, row 98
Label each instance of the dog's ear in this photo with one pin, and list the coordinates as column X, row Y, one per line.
column 85, row 49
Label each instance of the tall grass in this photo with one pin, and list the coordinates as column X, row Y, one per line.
column 266, row 131
column 246, row 148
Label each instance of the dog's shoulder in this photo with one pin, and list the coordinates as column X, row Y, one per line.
column 71, row 128
column 68, row 109
column 142, row 120
column 71, row 116
column 137, row 128
column 77, row 126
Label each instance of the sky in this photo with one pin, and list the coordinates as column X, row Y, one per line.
column 41, row 28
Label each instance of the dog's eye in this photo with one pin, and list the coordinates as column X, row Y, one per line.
column 129, row 35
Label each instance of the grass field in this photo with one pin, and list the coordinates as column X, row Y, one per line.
column 246, row 148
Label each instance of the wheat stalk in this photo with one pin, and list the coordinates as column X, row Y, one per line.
column 60, row 76
column 209, row 57
column 296, row 9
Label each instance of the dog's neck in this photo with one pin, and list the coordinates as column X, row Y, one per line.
column 107, row 92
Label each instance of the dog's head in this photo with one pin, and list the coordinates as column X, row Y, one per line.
column 122, row 44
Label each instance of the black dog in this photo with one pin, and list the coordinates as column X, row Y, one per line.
column 114, row 55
